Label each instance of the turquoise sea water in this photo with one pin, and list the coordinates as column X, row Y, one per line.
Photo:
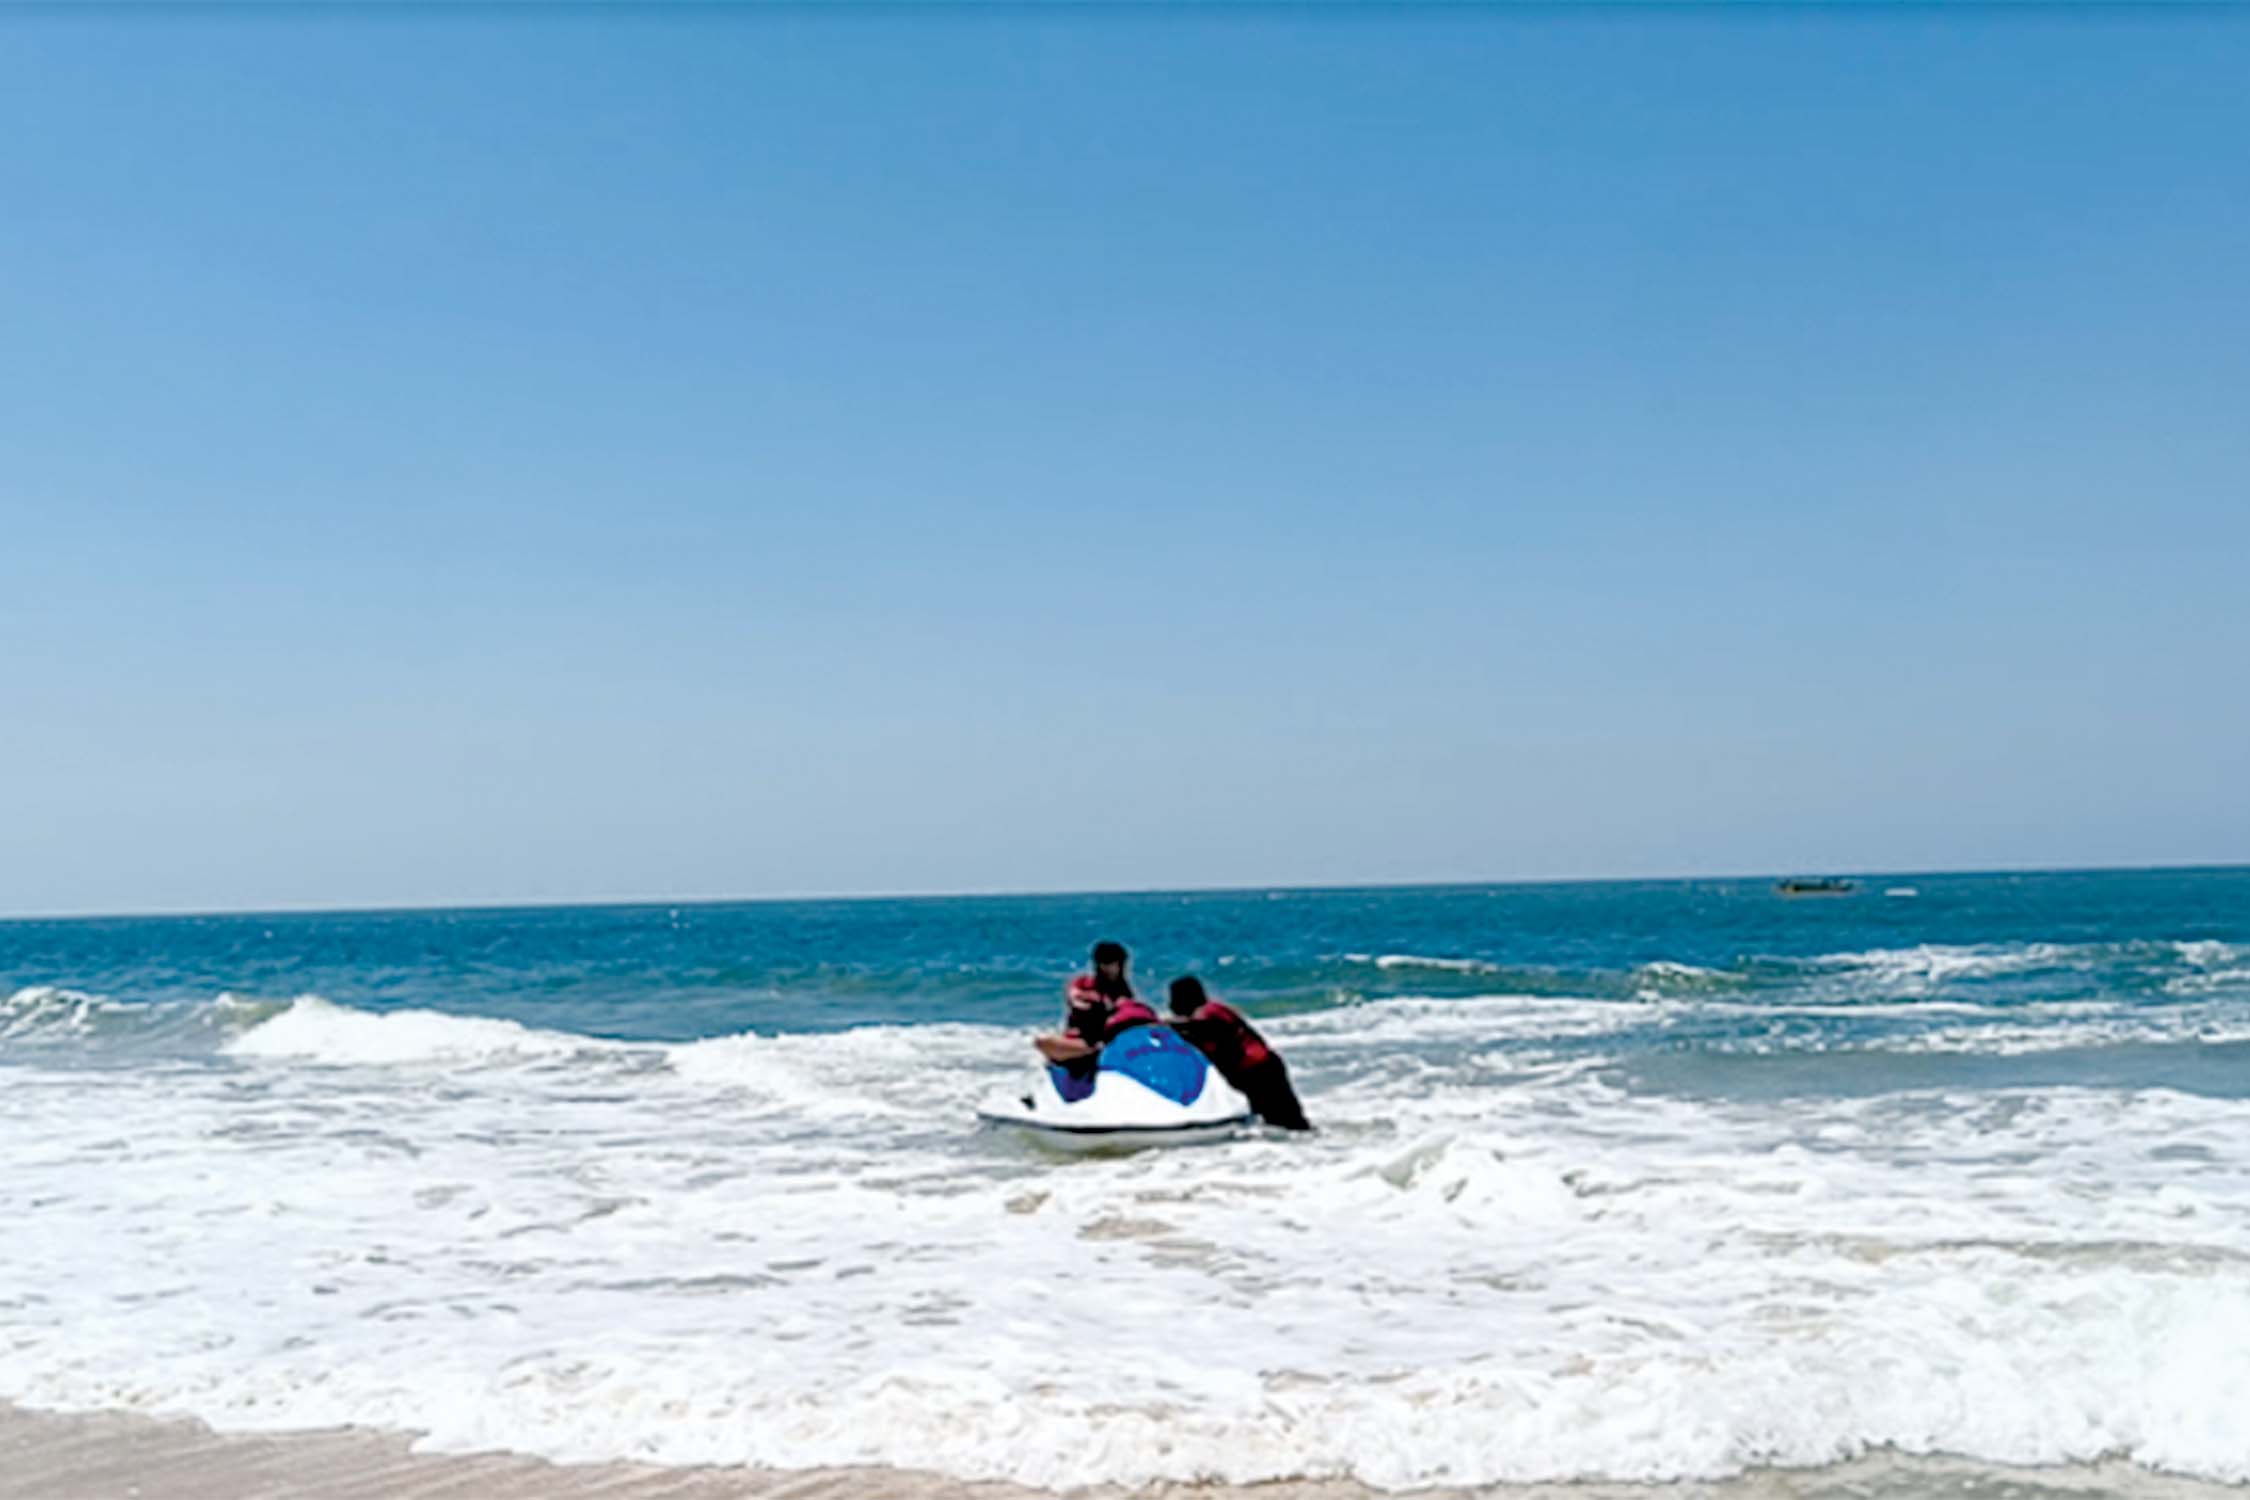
column 1616, row 1181
column 676, row 973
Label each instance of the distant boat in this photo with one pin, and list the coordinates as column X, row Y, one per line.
column 1824, row 886
column 1902, row 890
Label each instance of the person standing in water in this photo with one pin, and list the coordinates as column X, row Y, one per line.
column 1243, row 1057
column 1098, row 1006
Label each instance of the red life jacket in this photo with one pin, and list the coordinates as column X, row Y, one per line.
column 1232, row 1044
column 1098, row 1017
column 1127, row 1013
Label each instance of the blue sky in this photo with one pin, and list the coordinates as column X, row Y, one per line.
column 536, row 455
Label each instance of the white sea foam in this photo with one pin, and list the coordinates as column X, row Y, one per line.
column 1665, row 968
column 1925, row 966
column 1411, row 1026
column 1929, row 964
column 1665, row 979
column 316, row 1030
column 881, row 1070
column 796, row 1251
column 2204, row 983
column 1419, row 961
column 2216, row 966
column 2018, row 1034
column 53, row 1015
column 46, row 1010
column 2208, row 953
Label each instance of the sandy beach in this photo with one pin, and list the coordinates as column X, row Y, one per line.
column 124, row 1456
column 118, row 1456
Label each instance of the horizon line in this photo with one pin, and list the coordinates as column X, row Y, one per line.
column 1120, row 892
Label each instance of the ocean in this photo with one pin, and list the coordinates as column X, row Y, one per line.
column 1613, row 1182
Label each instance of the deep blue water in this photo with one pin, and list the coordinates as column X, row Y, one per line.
column 660, row 972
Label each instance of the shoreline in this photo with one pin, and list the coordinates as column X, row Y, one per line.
column 120, row 1455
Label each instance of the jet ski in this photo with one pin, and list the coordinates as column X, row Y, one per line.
column 1147, row 1087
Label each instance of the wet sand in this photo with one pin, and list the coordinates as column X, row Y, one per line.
column 118, row 1456
column 123, row 1456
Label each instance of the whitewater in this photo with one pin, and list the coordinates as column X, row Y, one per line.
column 1631, row 1183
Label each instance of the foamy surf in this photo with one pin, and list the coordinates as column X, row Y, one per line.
column 1588, row 1216
column 314, row 1030
column 1562, row 1282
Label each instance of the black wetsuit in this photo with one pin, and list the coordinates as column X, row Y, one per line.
column 1245, row 1060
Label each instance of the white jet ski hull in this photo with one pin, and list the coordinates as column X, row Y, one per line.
column 1090, row 1140
column 1149, row 1087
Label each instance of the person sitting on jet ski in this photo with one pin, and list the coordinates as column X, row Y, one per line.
column 1243, row 1057
column 1100, row 1005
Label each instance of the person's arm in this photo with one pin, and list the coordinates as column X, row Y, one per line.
column 1199, row 1033
column 1064, row 1047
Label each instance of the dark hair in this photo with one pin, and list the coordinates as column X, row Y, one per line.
column 1109, row 953
column 1187, row 995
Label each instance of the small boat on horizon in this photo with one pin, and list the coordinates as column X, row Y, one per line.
column 1825, row 885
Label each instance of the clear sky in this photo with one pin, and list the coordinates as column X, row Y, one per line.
column 559, row 455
